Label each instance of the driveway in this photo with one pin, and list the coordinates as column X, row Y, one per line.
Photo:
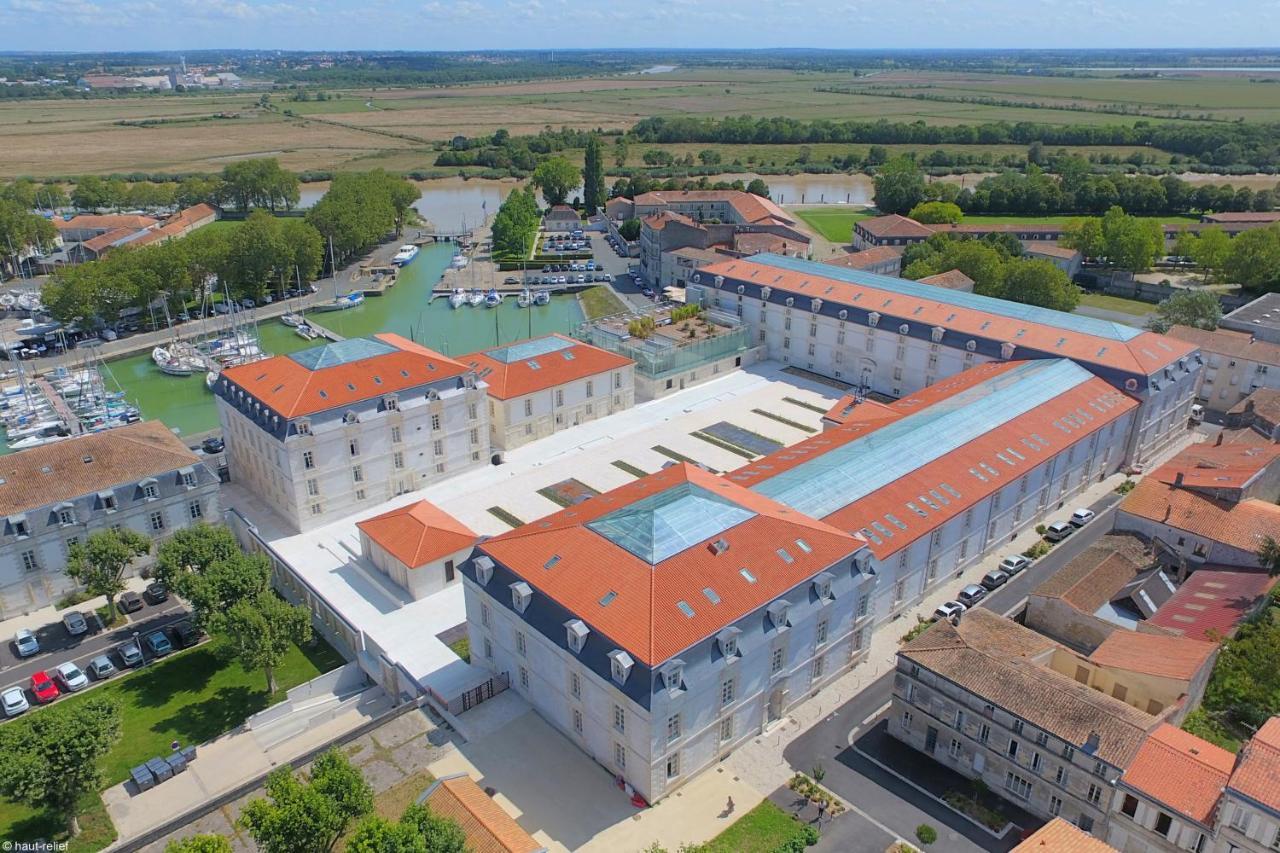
column 882, row 806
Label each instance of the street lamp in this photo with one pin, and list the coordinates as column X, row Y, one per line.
column 137, row 643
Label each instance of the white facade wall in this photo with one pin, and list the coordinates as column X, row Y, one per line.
column 418, row 581
column 521, row 420
column 341, row 468
column 1228, row 379
column 1197, row 549
column 1152, row 828
column 1245, row 825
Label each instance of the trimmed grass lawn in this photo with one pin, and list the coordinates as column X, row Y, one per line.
column 1117, row 303
column 22, row 823
column 190, row 697
column 600, row 301
column 462, row 648
column 762, row 830
column 836, row 224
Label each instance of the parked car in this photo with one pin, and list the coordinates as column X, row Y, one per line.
column 1058, row 531
column 511, row 280
column 26, row 643
column 101, row 668
column 948, row 609
column 213, row 444
column 130, row 654
column 43, row 688
column 74, row 623
column 185, row 634
column 156, row 592
column 158, row 643
column 1081, row 517
column 994, row 579
column 131, row 602
column 1014, row 564
column 971, row 595
column 70, row 677
column 14, row 701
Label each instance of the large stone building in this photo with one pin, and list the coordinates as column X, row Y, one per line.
column 543, row 385
column 896, row 336
column 1236, row 365
column 139, row 477
column 341, row 427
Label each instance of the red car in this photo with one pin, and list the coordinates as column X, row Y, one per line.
column 43, row 688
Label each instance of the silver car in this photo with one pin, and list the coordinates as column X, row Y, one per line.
column 130, row 654
column 70, row 677
column 14, row 701
column 101, row 667
column 75, row 624
column 26, row 643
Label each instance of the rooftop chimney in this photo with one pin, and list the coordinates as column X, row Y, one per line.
column 1177, row 480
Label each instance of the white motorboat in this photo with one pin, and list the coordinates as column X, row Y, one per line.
column 476, row 299
column 525, row 298
column 291, row 320
column 180, row 367
column 342, row 303
column 35, row 441
column 7, row 301
column 211, row 379
column 492, row 299
column 405, row 255
column 542, row 297
column 161, row 356
column 305, row 332
column 458, row 298
column 459, row 262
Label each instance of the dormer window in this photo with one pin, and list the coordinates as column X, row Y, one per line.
column 66, row 515
column 304, row 427
column 187, row 477
column 392, row 404
column 971, row 345
column 862, row 563
column 521, row 594
column 873, row 319
column 576, row 634
column 620, row 664
column 727, row 641
column 350, row 418
column 780, row 614
column 1006, row 350
column 484, row 569
column 18, row 526
column 937, row 333
column 149, row 490
column 672, row 673
column 822, row 586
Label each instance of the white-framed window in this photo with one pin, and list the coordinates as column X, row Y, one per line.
column 196, row 510
column 357, row 473
column 66, row 516
column 484, row 614
column 864, row 602
column 577, row 721
column 726, row 729
column 521, row 648
column 157, row 520
column 619, row 719
column 1095, row 794
column 435, row 422
column 528, row 408
column 524, row 678
column 396, row 437
column 559, row 397
column 397, row 460
column 313, row 487
column 1017, row 786
column 954, row 748
column 906, row 720
column 488, row 649
column 591, row 389
column 728, row 691
column 575, row 685
column 353, row 447
column 1061, row 776
column 308, row 460
column 619, row 756
column 820, row 632
column 819, row 667
column 475, row 436
column 437, row 447
column 1055, row 805
column 29, row 562
column 150, row 492
column 673, row 765
column 673, row 728
column 1240, row 819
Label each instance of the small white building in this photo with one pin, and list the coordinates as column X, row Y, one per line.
column 342, row 427
column 418, row 546
column 1236, row 365
column 139, row 477
column 543, row 385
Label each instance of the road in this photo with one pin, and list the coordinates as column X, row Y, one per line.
column 56, row 646
column 882, row 807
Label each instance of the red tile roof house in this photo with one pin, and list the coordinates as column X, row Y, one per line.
column 882, row 260
column 561, row 217
column 542, row 385
column 419, row 546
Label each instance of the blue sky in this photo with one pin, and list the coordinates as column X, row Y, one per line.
column 498, row 24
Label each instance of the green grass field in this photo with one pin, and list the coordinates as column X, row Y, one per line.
column 1117, row 303
column 191, row 697
column 835, row 224
column 764, row 829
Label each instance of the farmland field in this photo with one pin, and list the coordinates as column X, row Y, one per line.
column 358, row 128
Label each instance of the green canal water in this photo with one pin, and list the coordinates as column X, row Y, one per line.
column 184, row 404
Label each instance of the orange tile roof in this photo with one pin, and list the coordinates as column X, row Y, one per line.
column 658, row 221
column 751, row 244
column 1212, row 602
column 752, row 208
column 643, row 614
column 104, row 222
column 1089, row 580
column 849, row 409
column 488, row 828
column 1264, row 402
column 1257, row 774
column 1219, row 466
column 894, row 225
column 511, row 379
column 1143, row 354
column 418, row 533
column 1059, row 836
column 1239, row 525
column 953, row 279
column 950, row 468
column 56, row 472
column 290, row 389
column 1181, row 771
column 866, row 258
column 1179, row 658
column 1053, row 250
column 1226, row 342
column 105, row 241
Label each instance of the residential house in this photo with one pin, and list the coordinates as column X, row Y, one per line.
column 561, row 217
column 1236, row 365
column 951, row 280
column 1067, row 260
column 419, row 546
column 881, row 260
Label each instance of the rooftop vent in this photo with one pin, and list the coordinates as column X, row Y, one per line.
column 719, row 546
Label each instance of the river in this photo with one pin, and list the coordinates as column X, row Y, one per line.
column 184, row 403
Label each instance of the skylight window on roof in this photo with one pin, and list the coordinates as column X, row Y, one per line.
column 946, row 488
column 663, row 524
column 804, row 546
column 568, row 355
column 350, row 387
column 1020, row 333
column 746, row 575
column 324, row 395
column 895, row 521
column 1101, row 352
column 930, row 504
column 917, row 510
column 377, row 380
column 1005, row 459
column 882, row 530
column 974, row 472
column 1015, row 454
column 685, row 608
column 1040, row 438
column 871, row 534
column 711, row 595
column 933, row 493
column 918, row 310
column 985, row 324
column 1084, row 416
column 608, row 598
column 992, row 471
column 533, row 365
column 786, row 558
column 1060, row 342
column 1031, row 444
column 555, row 558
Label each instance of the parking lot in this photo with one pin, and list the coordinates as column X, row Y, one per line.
column 58, row 645
column 605, row 266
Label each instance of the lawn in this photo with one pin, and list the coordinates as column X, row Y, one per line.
column 834, row 224
column 764, row 829
column 1117, row 303
column 600, row 301
column 190, row 697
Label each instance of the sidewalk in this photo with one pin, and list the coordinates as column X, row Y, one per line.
column 37, row 619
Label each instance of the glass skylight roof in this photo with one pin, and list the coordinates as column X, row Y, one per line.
column 662, row 525
column 1001, row 307
column 341, row 352
column 528, row 349
column 838, row 477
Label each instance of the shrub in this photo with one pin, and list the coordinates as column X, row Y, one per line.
column 1126, row 487
column 1041, row 529
column 1037, row 550
column 927, row 834
column 71, row 599
column 919, row 628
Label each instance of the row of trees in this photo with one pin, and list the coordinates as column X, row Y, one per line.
column 997, row 268
column 1251, row 259
column 516, row 225
column 262, row 254
column 243, row 185
column 640, row 184
column 361, row 209
column 20, row 229
column 1125, row 241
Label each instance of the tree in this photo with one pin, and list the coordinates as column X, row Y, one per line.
column 1085, row 236
column 199, row 844
column 1198, row 308
column 419, row 830
column 515, row 225
column 308, row 816
column 90, row 193
column 263, row 629
column 1255, row 259
column 51, row 759
column 259, row 182
column 1131, row 243
column 20, row 230
column 620, row 152
column 99, row 563
column 630, row 230
column 709, row 157
column 204, row 564
column 1211, row 250
column 1039, row 282
column 593, row 192
column 936, row 213
column 555, row 177
column 758, row 187
column 1269, row 555
column 899, row 186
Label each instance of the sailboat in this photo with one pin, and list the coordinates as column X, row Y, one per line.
column 458, row 298
column 492, row 299
column 525, row 298
column 476, row 298
column 291, row 320
column 542, row 297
